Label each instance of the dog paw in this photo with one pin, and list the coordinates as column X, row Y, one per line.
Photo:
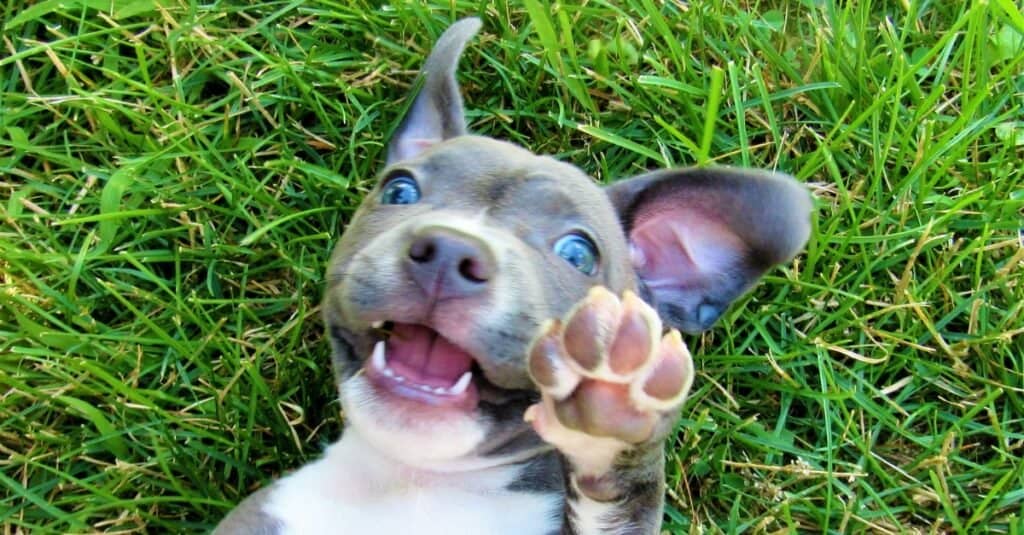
column 607, row 377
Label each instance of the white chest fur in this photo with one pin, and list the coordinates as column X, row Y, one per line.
column 354, row 490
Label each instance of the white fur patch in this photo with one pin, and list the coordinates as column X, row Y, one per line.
column 354, row 489
column 592, row 516
column 417, row 434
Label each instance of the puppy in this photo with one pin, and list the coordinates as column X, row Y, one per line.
column 497, row 323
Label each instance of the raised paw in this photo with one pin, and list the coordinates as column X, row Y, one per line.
column 606, row 374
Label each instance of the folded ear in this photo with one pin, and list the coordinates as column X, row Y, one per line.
column 436, row 113
column 700, row 238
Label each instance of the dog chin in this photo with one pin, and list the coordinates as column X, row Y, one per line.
column 410, row 432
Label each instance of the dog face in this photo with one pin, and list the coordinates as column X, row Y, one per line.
column 457, row 257
column 467, row 245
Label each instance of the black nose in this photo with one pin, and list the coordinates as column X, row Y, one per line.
column 446, row 263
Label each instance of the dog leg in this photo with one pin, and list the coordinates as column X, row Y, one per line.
column 611, row 388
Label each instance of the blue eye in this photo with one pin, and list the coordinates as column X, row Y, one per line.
column 400, row 190
column 578, row 251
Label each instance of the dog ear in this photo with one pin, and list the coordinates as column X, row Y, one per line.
column 436, row 113
column 700, row 238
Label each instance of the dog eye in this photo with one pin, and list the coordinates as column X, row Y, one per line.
column 400, row 190
column 578, row 251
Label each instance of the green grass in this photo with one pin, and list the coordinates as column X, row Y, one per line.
column 173, row 175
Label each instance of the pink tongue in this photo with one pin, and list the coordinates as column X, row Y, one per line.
column 419, row 354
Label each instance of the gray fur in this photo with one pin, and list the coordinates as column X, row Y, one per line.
column 437, row 115
column 248, row 517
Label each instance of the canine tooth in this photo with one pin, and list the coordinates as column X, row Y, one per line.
column 462, row 384
column 377, row 358
column 441, row 390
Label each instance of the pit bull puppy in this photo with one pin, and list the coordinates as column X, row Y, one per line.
column 497, row 320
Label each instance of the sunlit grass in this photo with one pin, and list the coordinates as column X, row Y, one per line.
column 174, row 174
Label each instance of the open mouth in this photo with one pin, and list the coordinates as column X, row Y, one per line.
column 416, row 362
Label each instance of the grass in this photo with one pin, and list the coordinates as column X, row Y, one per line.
column 173, row 175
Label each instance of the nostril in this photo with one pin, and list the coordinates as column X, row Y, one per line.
column 472, row 270
column 422, row 251
column 443, row 261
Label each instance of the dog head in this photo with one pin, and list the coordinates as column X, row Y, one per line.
column 467, row 244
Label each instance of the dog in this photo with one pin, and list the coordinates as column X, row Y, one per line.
column 505, row 332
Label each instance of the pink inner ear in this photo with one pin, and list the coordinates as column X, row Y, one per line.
column 680, row 247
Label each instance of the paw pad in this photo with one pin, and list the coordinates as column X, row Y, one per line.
column 606, row 370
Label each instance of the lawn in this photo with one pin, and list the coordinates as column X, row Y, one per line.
column 173, row 175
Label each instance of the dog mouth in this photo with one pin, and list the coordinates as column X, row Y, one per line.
column 416, row 362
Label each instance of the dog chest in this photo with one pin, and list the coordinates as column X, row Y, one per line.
column 354, row 490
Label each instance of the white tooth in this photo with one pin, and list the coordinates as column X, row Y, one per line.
column 388, row 372
column 397, row 377
column 377, row 324
column 377, row 358
column 426, row 388
column 462, row 384
column 441, row 390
